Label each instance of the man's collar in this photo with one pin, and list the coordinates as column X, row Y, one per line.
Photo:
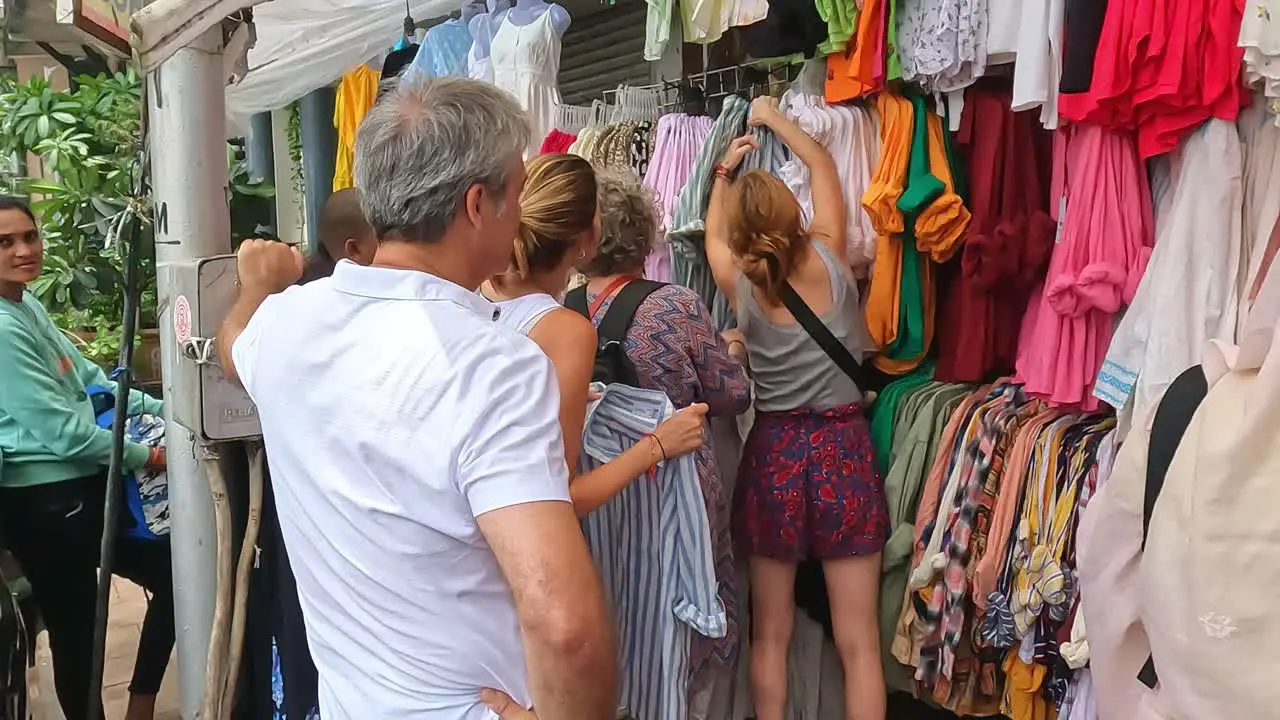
column 397, row 284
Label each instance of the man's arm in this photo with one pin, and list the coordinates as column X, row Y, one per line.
column 247, row 303
column 568, row 636
column 513, row 474
column 264, row 268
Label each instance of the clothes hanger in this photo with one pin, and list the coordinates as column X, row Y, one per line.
column 409, row 26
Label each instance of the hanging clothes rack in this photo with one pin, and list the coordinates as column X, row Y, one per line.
column 635, row 103
column 748, row 79
column 574, row 118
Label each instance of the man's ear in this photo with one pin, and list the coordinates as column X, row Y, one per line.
column 473, row 202
column 351, row 251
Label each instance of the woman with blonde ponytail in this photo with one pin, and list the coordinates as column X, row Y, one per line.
column 807, row 483
column 559, row 230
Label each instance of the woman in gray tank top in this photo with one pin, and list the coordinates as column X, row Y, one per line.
column 807, row 483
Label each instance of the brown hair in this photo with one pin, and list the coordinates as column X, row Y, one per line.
column 766, row 230
column 628, row 225
column 557, row 206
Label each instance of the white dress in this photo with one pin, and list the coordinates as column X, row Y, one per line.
column 522, row 313
column 479, row 68
column 526, row 63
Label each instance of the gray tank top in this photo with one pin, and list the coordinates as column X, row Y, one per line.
column 790, row 370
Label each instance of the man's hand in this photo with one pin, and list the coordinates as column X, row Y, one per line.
column 264, row 267
column 267, row 267
column 504, row 707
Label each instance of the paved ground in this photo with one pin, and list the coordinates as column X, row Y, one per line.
column 128, row 605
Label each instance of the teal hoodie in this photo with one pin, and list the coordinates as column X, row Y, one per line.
column 48, row 432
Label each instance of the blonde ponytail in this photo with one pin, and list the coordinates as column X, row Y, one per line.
column 558, row 205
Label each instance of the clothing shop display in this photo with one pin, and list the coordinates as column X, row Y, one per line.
column 678, row 140
column 862, row 68
column 557, row 142
column 850, row 134
column 1260, row 137
column 482, row 28
column 526, row 63
column 989, row 595
column 443, row 52
column 789, row 28
column 689, row 265
column 652, row 543
column 1162, row 70
column 1189, row 294
column 920, row 220
column 942, row 44
column 1010, row 236
column 357, row 92
column 396, row 61
column 1104, row 242
column 1260, row 38
column 1184, row 570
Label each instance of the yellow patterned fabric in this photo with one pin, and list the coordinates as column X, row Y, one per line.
column 356, row 94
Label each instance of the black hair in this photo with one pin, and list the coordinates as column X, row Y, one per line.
column 9, row 202
column 340, row 219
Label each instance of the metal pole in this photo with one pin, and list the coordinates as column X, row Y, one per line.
column 111, row 508
column 319, row 150
column 189, row 177
column 260, row 150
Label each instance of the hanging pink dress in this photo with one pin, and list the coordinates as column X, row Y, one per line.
column 1104, row 241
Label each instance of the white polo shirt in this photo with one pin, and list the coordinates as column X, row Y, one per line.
column 395, row 411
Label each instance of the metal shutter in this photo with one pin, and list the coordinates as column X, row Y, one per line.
column 604, row 48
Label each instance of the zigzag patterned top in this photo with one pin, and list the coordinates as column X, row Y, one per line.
column 676, row 348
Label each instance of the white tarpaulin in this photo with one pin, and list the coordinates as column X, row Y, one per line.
column 301, row 44
column 306, row 44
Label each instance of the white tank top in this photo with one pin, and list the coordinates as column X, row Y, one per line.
column 522, row 313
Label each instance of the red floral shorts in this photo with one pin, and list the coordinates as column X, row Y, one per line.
column 808, row 487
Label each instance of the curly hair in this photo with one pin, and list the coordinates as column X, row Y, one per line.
column 628, row 225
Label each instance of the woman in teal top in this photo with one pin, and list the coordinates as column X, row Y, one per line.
column 53, row 461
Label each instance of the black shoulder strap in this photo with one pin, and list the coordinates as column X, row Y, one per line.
column 822, row 335
column 576, row 300
column 617, row 319
column 1173, row 417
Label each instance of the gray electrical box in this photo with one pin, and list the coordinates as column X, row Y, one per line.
column 202, row 399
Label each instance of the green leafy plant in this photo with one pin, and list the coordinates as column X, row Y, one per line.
column 294, row 133
column 89, row 141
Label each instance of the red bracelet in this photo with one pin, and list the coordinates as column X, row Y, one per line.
column 653, row 469
column 723, row 172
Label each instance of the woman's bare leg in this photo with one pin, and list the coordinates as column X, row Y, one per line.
column 772, row 617
column 853, row 585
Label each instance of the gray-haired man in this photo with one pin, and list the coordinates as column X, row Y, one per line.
column 415, row 445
